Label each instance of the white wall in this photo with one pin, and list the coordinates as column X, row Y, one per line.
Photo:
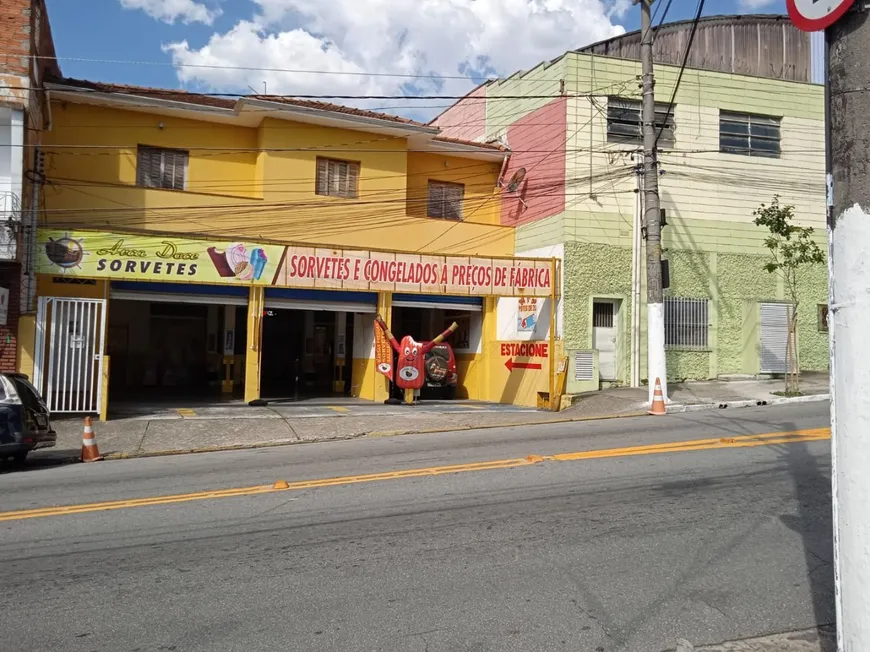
column 11, row 175
column 508, row 308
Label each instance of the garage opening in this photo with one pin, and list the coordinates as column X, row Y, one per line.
column 172, row 343
column 308, row 342
column 449, row 364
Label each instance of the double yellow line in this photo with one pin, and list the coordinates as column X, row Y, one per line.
column 744, row 441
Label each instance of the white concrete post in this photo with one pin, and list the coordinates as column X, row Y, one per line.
column 849, row 320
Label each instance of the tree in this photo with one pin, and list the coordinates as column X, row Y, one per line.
column 792, row 249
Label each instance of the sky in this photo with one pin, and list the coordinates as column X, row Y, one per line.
column 449, row 45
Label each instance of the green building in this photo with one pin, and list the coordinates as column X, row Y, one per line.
column 747, row 123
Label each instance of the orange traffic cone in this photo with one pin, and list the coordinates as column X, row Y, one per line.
column 90, row 452
column 658, row 403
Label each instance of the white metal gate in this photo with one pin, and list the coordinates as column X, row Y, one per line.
column 774, row 337
column 68, row 356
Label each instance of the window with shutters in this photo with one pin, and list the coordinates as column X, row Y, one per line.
column 157, row 167
column 624, row 125
column 749, row 134
column 445, row 200
column 337, row 178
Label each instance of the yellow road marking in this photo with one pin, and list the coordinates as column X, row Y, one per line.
column 186, row 412
column 745, row 441
column 338, row 408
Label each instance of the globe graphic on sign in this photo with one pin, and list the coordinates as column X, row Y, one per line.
column 64, row 252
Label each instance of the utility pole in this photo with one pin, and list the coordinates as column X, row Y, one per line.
column 655, row 309
column 848, row 90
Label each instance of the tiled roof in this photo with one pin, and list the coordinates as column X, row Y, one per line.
column 145, row 91
column 473, row 143
column 339, row 108
column 230, row 103
column 225, row 102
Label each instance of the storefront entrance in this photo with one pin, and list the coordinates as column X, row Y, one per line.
column 447, row 365
column 307, row 342
column 300, row 353
column 171, row 350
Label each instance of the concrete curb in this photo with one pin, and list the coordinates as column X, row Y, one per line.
column 672, row 409
column 776, row 400
column 372, row 434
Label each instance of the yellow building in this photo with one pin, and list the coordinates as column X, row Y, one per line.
column 193, row 246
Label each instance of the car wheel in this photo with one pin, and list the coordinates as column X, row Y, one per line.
column 450, row 392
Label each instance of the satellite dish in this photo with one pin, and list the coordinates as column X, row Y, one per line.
column 516, row 180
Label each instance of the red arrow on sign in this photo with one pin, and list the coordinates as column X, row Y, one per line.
column 511, row 365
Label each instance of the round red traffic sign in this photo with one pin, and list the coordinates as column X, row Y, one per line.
column 816, row 15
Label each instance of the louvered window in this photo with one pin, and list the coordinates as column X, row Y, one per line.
column 445, row 200
column 337, row 178
column 157, row 167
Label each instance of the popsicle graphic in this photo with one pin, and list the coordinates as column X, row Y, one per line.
column 237, row 257
column 258, row 262
column 219, row 260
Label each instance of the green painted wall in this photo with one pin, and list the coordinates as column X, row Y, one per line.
column 735, row 284
column 614, row 76
column 583, row 281
column 691, row 274
column 715, row 250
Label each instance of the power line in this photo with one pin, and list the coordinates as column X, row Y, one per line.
column 167, row 64
column 682, row 67
column 148, row 92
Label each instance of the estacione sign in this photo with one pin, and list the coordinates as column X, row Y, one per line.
column 92, row 254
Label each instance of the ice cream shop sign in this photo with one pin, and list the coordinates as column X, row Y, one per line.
column 92, row 254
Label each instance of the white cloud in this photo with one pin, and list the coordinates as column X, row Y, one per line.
column 401, row 37
column 754, row 5
column 169, row 11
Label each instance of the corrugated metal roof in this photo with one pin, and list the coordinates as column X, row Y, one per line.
column 760, row 45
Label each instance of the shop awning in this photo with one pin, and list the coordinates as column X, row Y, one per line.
column 225, row 295
column 473, row 304
column 334, row 301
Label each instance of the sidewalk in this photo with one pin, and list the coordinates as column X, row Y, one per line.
column 822, row 639
column 166, row 429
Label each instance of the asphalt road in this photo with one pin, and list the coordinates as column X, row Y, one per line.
column 624, row 552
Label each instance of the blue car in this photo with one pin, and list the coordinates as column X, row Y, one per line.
column 24, row 419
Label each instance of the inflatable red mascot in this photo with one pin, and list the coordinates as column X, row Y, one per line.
column 410, row 370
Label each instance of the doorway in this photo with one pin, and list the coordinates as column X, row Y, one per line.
column 306, row 353
column 605, row 326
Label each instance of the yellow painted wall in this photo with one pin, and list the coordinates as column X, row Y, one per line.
column 468, row 368
column 47, row 287
column 265, row 193
column 481, row 206
column 520, row 386
column 212, row 170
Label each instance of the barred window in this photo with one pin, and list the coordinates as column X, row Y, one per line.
column 337, row 178
column 749, row 135
column 445, row 200
column 624, row 123
column 686, row 323
column 157, row 167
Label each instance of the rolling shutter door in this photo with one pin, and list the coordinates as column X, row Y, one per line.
column 774, row 337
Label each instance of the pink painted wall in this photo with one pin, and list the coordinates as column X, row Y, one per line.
column 537, row 142
column 466, row 119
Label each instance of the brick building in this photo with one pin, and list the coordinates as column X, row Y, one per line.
column 26, row 57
